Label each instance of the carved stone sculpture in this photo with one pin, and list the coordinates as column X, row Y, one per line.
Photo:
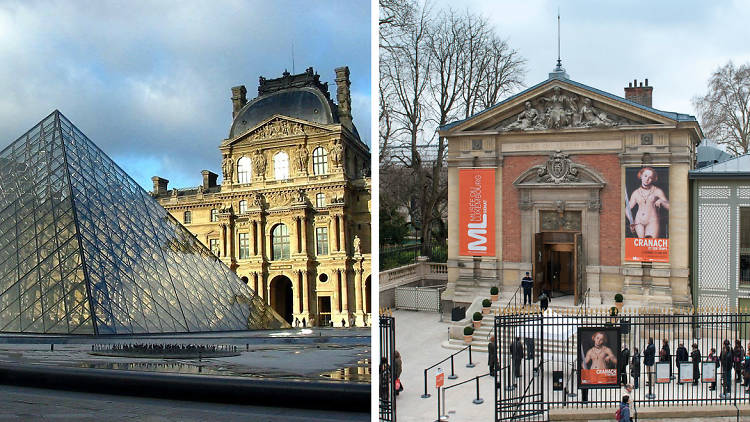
column 258, row 200
column 337, row 153
column 259, row 163
column 356, row 244
column 298, row 196
column 303, row 156
column 560, row 111
column 558, row 169
column 227, row 167
column 276, row 128
column 528, row 119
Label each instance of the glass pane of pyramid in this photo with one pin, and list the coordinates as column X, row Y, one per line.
column 85, row 250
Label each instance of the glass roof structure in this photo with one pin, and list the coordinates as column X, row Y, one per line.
column 85, row 250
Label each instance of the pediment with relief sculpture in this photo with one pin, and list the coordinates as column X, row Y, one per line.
column 277, row 127
column 560, row 105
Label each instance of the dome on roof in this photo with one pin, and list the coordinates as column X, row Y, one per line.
column 306, row 103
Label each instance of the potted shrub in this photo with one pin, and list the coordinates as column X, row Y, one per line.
column 494, row 293
column 477, row 319
column 618, row 301
column 468, row 331
column 486, row 306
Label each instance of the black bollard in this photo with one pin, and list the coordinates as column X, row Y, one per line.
column 478, row 400
column 470, row 364
column 52, row 347
column 453, row 375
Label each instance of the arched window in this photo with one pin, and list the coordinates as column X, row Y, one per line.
column 187, row 218
column 320, row 200
column 214, row 215
column 280, row 242
column 320, row 161
column 243, row 206
column 244, row 170
column 281, row 166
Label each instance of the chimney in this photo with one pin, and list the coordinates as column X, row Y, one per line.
column 209, row 179
column 239, row 99
column 344, row 96
column 160, row 185
column 639, row 94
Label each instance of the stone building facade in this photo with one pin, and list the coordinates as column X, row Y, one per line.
column 292, row 214
column 558, row 168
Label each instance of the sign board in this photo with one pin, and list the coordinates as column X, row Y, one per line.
column 476, row 211
column 662, row 372
column 597, row 357
column 557, row 380
column 709, row 371
column 439, row 378
column 685, row 372
column 647, row 214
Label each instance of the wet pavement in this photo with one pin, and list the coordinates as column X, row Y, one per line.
column 322, row 354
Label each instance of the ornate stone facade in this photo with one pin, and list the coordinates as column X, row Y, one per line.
column 292, row 213
column 560, row 153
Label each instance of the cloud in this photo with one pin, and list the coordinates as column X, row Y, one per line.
column 149, row 82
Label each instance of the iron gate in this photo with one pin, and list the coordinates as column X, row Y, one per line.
column 385, row 368
column 418, row 298
column 519, row 389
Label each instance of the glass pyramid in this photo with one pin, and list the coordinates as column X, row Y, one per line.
column 85, row 250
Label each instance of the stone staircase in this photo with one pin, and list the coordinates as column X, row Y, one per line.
column 469, row 288
column 481, row 335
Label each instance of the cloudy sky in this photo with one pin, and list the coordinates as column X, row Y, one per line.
column 675, row 44
column 149, row 81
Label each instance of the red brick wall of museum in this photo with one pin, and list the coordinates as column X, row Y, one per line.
column 608, row 165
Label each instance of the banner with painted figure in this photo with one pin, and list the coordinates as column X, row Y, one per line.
column 647, row 214
column 476, row 211
column 597, row 357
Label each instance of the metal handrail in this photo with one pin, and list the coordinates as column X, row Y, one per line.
column 518, row 290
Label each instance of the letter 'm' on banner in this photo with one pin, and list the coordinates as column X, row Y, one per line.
column 476, row 211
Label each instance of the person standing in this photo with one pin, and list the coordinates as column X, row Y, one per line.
column 623, row 363
column 492, row 355
column 624, row 413
column 527, row 283
column 682, row 355
column 695, row 355
column 713, row 358
column 516, row 354
column 635, row 367
column 746, row 372
column 397, row 366
column 738, row 353
column 727, row 361
column 543, row 301
column 665, row 355
column 648, row 357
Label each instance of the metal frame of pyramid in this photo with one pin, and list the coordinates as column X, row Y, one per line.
column 85, row 250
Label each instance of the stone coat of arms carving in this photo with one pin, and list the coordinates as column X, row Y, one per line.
column 558, row 169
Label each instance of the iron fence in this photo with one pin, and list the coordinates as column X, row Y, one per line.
column 576, row 358
column 385, row 368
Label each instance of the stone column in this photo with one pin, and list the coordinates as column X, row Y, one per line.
column 342, row 228
column 303, row 228
column 306, row 292
column 224, row 240
column 344, row 292
column 295, row 298
column 335, row 297
column 254, row 234
column 358, row 293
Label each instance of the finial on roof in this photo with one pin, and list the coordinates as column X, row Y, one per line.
column 559, row 71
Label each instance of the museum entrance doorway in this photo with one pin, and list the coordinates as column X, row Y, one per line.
column 281, row 297
column 559, row 265
column 324, row 311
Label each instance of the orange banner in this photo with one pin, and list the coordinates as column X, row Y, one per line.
column 476, row 211
column 646, row 249
column 599, row 376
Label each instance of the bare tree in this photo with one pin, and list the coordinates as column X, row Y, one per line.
column 725, row 111
column 435, row 68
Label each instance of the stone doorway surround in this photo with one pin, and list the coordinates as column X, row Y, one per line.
column 562, row 185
